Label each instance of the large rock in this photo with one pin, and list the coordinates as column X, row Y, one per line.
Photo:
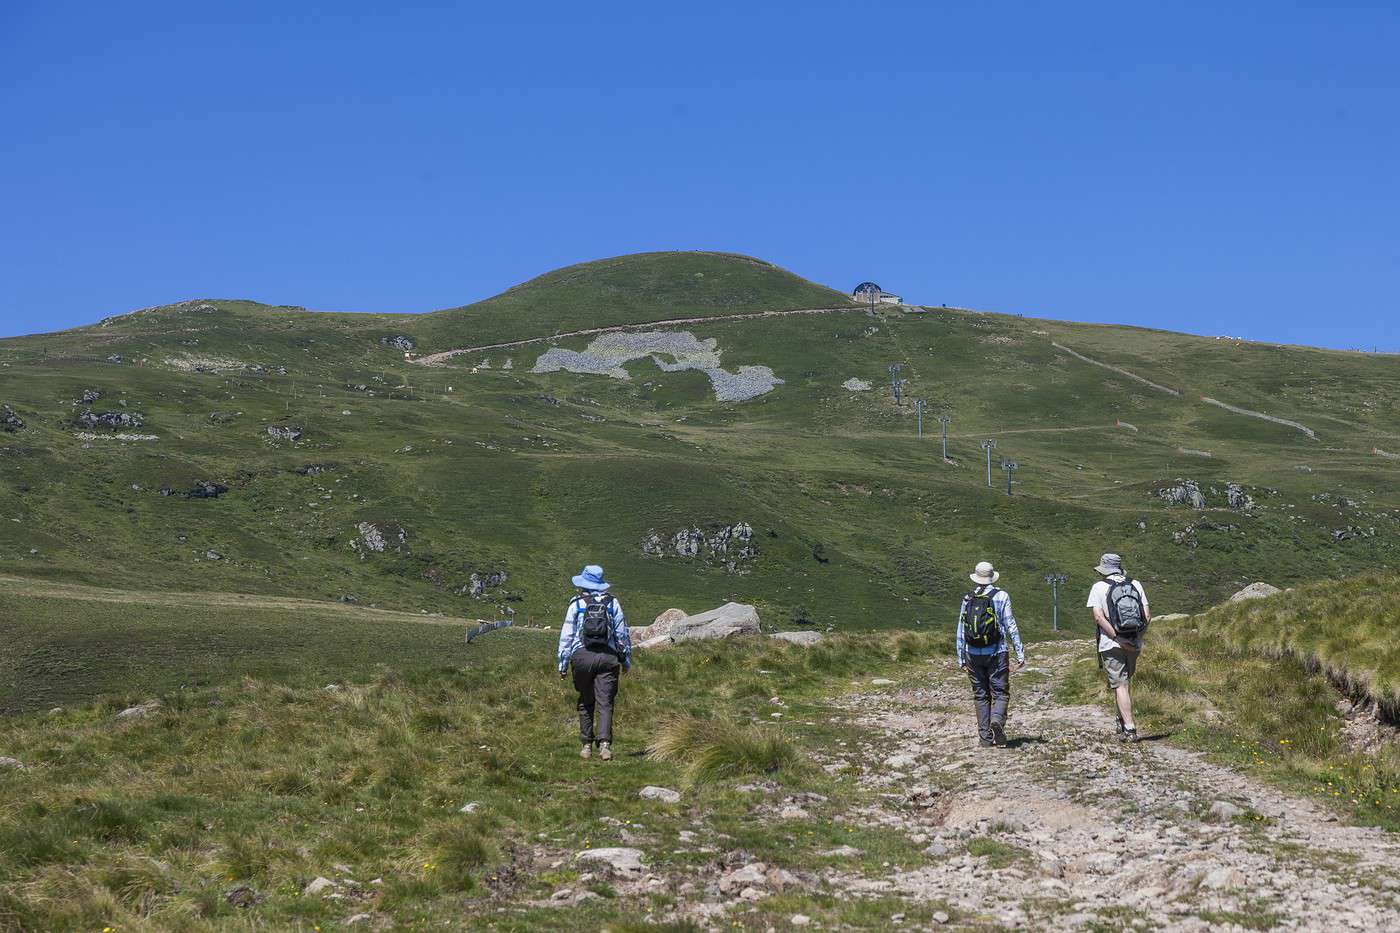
column 11, row 764
column 9, row 421
column 805, row 639
column 626, row 861
column 1255, row 591
column 728, row 621
column 662, row 626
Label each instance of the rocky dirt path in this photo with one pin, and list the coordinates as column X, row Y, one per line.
column 1069, row 829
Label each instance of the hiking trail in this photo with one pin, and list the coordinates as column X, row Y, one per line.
column 1065, row 829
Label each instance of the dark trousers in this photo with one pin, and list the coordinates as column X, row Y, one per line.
column 991, row 688
column 595, row 679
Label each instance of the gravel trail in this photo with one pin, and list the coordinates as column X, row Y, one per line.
column 1075, row 830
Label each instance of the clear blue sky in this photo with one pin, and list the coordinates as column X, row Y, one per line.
column 1209, row 167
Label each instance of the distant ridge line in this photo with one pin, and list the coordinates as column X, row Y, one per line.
column 437, row 359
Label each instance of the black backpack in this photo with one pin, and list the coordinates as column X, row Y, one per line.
column 597, row 622
column 980, row 628
column 1125, row 610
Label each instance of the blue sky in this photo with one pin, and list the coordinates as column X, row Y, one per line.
column 1216, row 168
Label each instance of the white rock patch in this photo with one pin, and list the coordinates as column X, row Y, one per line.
column 671, row 351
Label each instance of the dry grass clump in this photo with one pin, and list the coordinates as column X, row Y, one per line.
column 711, row 749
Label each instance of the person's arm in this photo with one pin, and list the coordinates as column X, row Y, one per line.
column 961, row 642
column 1011, row 631
column 567, row 634
column 1146, row 611
column 1106, row 627
column 623, row 635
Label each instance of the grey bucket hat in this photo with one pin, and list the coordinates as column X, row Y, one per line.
column 1110, row 564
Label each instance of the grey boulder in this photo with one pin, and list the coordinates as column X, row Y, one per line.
column 805, row 639
column 728, row 621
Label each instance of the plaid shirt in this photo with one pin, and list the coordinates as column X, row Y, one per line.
column 1005, row 621
column 571, row 638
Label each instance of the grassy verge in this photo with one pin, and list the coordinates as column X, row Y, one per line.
column 223, row 804
column 1256, row 710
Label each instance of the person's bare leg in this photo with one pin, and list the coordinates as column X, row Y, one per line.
column 1125, row 706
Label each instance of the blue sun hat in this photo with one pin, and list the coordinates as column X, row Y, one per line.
column 591, row 579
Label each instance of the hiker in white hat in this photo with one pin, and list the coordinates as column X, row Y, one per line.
column 596, row 642
column 1119, row 606
column 985, row 627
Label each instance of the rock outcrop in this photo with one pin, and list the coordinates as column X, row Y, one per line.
column 206, row 489
column 9, row 421
column 1255, row 591
column 1184, row 492
column 284, row 432
column 110, row 419
column 728, row 621
column 727, row 546
column 372, row 538
column 398, row 342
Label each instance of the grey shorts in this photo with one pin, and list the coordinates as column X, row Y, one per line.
column 1118, row 665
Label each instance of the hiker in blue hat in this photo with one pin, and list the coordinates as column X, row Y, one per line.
column 595, row 640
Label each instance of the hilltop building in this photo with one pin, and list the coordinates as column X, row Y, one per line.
column 870, row 293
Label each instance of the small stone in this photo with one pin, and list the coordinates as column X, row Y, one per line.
column 901, row 762
column 940, row 917
column 358, row 918
column 1224, row 811
column 627, row 861
column 793, row 813
column 317, row 886
column 11, row 764
column 752, row 894
column 470, row 808
column 138, row 712
column 800, row 920
column 936, row 849
column 241, row 896
column 664, row 794
column 563, row 894
column 840, row 852
column 751, row 875
column 780, row 880
column 881, row 682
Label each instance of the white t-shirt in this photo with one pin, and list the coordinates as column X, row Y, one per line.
column 1098, row 599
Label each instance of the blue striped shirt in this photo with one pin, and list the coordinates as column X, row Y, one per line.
column 571, row 636
column 1001, row 601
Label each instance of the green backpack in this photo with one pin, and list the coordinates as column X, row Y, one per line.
column 980, row 628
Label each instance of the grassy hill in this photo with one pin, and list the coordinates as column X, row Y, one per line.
column 487, row 484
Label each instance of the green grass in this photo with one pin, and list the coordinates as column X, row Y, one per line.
column 261, row 775
column 859, row 525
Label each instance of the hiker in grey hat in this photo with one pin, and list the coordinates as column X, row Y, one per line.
column 1119, row 605
column 595, row 641
column 985, row 628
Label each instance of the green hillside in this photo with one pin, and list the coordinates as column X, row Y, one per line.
column 479, row 485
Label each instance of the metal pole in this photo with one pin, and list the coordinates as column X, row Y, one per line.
column 919, row 407
column 1010, row 466
column 944, row 419
column 989, row 446
column 1055, row 606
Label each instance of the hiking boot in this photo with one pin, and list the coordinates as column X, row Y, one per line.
column 985, row 743
column 998, row 736
column 1128, row 735
column 605, row 751
column 586, row 751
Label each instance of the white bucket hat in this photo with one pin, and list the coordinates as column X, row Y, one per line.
column 985, row 574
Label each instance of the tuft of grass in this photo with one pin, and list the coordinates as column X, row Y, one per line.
column 711, row 749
